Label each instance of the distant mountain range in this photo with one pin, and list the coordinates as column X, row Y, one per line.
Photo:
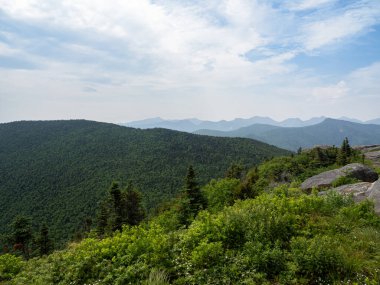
column 328, row 132
column 192, row 125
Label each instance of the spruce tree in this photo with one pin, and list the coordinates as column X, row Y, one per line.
column 344, row 153
column 22, row 234
column 234, row 171
column 44, row 242
column 193, row 192
column 102, row 218
column 133, row 211
column 117, row 218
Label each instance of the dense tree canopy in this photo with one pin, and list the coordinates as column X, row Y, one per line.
column 57, row 171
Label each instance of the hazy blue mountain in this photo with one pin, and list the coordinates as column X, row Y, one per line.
column 374, row 121
column 329, row 132
column 296, row 122
column 191, row 125
column 57, row 171
column 348, row 119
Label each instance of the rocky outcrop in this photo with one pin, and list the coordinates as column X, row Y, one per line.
column 325, row 179
column 371, row 152
column 361, row 191
column 374, row 194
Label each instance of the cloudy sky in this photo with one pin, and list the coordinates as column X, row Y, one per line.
column 124, row 60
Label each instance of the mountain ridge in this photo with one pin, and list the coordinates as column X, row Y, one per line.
column 192, row 125
column 328, row 132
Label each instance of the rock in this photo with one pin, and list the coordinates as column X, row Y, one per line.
column 371, row 152
column 374, row 194
column 373, row 156
column 325, row 179
column 360, row 191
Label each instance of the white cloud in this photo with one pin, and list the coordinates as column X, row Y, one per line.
column 365, row 81
column 334, row 28
column 330, row 93
column 174, row 49
column 300, row 5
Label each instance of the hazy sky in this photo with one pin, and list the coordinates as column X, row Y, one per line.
column 124, row 60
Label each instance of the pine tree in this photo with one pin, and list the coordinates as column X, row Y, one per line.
column 44, row 242
column 132, row 206
column 193, row 192
column 344, row 153
column 117, row 220
column 22, row 234
column 234, row 171
column 102, row 218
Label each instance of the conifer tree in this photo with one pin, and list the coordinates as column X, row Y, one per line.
column 234, row 171
column 22, row 234
column 193, row 192
column 44, row 242
column 344, row 153
column 102, row 218
column 133, row 210
column 117, row 219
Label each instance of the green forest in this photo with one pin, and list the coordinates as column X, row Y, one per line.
column 56, row 172
column 252, row 226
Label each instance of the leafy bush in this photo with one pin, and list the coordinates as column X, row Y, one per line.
column 220, row 193
column 10, row 266
column 319, row 258
column 344, row 180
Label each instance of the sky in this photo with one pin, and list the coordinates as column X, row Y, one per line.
column 118, row 61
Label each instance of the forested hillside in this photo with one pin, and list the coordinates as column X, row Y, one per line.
column 253, row 228
column 329, row 132
column 57, row 171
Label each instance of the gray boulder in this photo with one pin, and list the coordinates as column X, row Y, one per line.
column 359, row 191
column 325, row 179
column 374, row 194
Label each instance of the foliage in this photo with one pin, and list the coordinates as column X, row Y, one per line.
column 344, row 180
column 44, row 242
column 344, row 153
column 282, row 238
column 57, row 171
column 221, row 193
column 10, row 266
column 193, row 193
column 21, row 234
column 254, row 229
column 119, row 208
column 157, row 277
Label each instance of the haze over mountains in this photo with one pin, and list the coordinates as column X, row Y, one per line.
column 328, row 132
column 192, row 125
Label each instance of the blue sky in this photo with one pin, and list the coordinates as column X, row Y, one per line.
column 118, row 61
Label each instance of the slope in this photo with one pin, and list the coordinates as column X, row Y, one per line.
column 329, row 132
column 56, row 171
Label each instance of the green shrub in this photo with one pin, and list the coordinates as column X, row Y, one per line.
column 221, row 193
column 318, row 259
column 344, row 180
column 10, row 265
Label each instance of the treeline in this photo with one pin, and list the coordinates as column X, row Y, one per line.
column 22, row 240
